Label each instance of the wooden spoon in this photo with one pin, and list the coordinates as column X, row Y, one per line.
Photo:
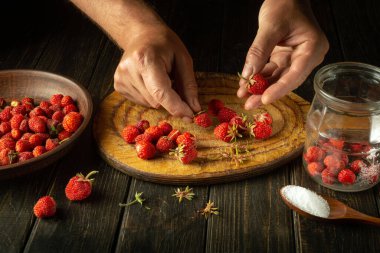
column 339, row 212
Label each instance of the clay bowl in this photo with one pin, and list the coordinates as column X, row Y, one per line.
column 16, row 84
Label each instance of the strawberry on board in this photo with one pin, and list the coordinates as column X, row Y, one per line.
column 202, row 119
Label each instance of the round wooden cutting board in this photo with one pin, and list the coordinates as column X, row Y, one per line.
column 217, row 161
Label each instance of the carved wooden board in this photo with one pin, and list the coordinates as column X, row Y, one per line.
column 213, row 164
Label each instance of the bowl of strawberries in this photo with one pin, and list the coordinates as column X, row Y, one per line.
column 42, row 115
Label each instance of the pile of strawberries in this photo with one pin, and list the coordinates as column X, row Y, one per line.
column 231, row 125
column 161, row 139
column 334, row 161
column 29, row 130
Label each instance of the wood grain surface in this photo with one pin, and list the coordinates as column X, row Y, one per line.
column 211, row 166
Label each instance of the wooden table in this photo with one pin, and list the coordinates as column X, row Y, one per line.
column 54, row 36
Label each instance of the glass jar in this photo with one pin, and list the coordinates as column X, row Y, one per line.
column 342, row 148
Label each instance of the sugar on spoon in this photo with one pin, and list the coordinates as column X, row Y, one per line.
column 312, row 205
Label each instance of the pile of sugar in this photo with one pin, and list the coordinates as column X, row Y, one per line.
column 306, row 200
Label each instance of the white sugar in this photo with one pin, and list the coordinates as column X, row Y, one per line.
column 306, row 200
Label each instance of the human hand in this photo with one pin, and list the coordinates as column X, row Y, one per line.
column 152, row 57
column 290, row 38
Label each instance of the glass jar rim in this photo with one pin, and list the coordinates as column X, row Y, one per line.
column 341, row 104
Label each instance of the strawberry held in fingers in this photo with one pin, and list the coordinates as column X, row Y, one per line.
column 45, row 207
column 256, row 84
column 79, row 187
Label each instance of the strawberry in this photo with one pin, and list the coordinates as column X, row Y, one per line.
column 155, row 131
column 48, row 113
column 327, row 176
column 332, row 161
column 20, row 109
column 55, row 108
column 23, row 156
column 37, row 140
column 315, row 168
column 357, row 165
column 164, row 144
column 186, row 154
column 2, row 103
column 145, row 150
column 202, row 119
column 79, row 187
column 70, row 108
column 256, row 84
column 337, row 143
column 226, row 132
column 142, row 125
column 239, row 122
column 7, row 136
column 186, row 139
column 44, row 104
column 16, row 121
column 39, row 150
column 27, row 100
column 58, row 116
column 72, row 121
column 225, row 114
column 26, row 136
column 144, row 137
column 260, row 130
column 314, row 154
column 7, row 143
column 165, row 127
column 63, row 135
column 129, row 133
column 37, row 125
column 16, row 134
column 66, row 100
column 56, row 99
column 173, row 135
column 346, row 177
column 29, row 107
column 24, row 127
column 22, row 146
column 7, row 156
column 51, row 144
column 5, row 114
column 356, row 147
column 45, row 207
column 37, row 111
column 264, row 117
column 5, row 127
column 214, row 106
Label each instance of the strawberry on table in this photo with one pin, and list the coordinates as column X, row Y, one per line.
column 165, row 127
column 214, row 106
column 225, row 114
column 202, row 119
column 45, row 207
column 164, row 144
column 79, row 187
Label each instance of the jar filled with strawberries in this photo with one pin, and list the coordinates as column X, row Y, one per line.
column 342, row 148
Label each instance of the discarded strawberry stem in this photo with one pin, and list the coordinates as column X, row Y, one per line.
column 209, row 210
column 187, row 193
column 138, row 199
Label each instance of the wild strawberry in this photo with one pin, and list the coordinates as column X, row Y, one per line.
column 186, row 154
column 225, row 114
column 7, row 143
column 226, row 132
column 16, row 121
column 45, row 207
column 202, row 119
column 5, row 127
column 346, row 176
column 2, row 103
column 20, row 109
column 186, row 139
column 5, row 114
column 332, row 161
column 36, row 140
column 66, row 100
column 260, row 130
column 145, row 150
column 356, row 147
column 239, row 121
column 37, row 125
column 165, row 127
column 23, row 156
column 39, row 150
column 16, row 134
column 26, row 136
column 256, row 84
column 357, row 165
column 70, row 108
column 155, row 131
column 15, row 103
column 79, row 187
column 51, row 144
column 164, row 144
column 142, row 125
column 129, row 133
column 48, row 113
column 214, row 106
column 314, row 154
column 63, row 135
column 27, row 100
column 58, row 116
column 7, row 136
column 337, row 143
column 22, row 146
column 315, row 168
column 24, row 126
column 144, row 137
column 327, row 177
column 29, row 107
column 37, row 111
column 44, row 104
column 173, row 135
column 264, row 117
column 7, row 156
column 56, row 99
column 72, row 121
column 55, row 108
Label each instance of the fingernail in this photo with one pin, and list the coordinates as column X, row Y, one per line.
column 196, row 104
column 187, row 119
column 247, row 71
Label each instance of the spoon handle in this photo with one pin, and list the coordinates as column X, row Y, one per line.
column 363, row 218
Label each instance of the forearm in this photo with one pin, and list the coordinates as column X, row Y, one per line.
column 121, row 19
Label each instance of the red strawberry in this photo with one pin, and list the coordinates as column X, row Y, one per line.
column 22, row 146
column 7, row 143
column 357, row 165
column 79, row 187
column 58, row 116
column 144, row 137
column 24, row 127
column 129, row 133
column 48, row 113
column 5, row 114
column 327, row 176
column 260, row 130
column 7, row 136
column 44, row 104
column 315, row 168
column 185, row 154
column 56, row 99
column 39, row 150
column 20, row 109
column 37, row 139
column 164, row 144
column 26, row 136
column 155, row 131
column 27, row 100
column 256, row 84
column 37, row 111
column 67, row 100
column 165, row 127
column 346, row 176
column 214, row 106
column 186, row 139
column 70, row 108
column 51, row 144
column 226, row 132
column 16, row 121
column 173, row 135
column 29, row 107
column 145, row 150
column 7, row 156
column 45, row 207
column 2, row 103
column 356, row 147
column 332, row 161
column 264, row 117
column 142, row 125
column 225, row 114
column 5, row 127
column 337, row 143
column 16, row 134
column 314, row 154
column 55, row 108
column 37, row 125
column 23, row 156
column 239, row 122
column 72, row 121
column 202, row 119
column 63, row 135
